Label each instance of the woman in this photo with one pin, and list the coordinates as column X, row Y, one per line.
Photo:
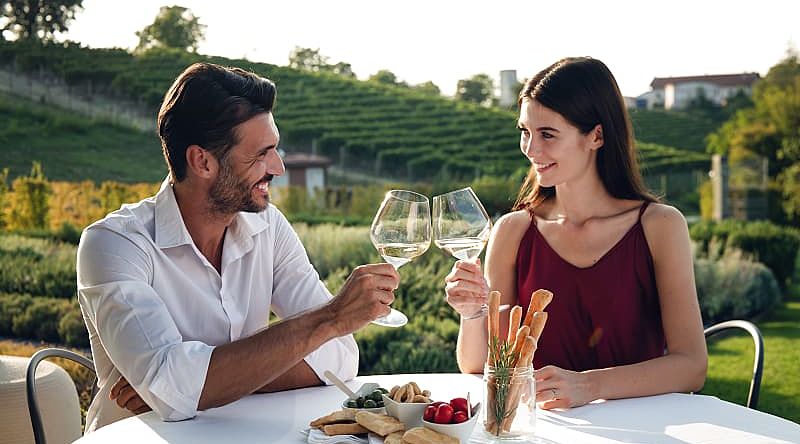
column 624, row 321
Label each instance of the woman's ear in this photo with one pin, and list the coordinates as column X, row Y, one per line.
column 596, row 137
column 200, row 162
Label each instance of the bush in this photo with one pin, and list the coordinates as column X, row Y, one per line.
column 773, row 245
column 40, row 319
column 733, row 286
column 11, row 307
column 71, row 327
column 331, row 247
column 28, row 203
column 37, row 266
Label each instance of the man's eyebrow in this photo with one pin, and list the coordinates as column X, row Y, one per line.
column 267, row 148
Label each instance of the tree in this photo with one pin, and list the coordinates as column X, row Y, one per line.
column 307, row 59
column 771, row 129
column 478, row 88
column 174, row 27
column 386, row 77
column 343, row 69
column 428, row 88
column 37, row 19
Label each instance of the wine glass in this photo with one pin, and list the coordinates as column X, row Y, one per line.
column 461, row 225
column 400, row 232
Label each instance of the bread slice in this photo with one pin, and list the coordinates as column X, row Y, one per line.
column 422, row 435
column 379, row 424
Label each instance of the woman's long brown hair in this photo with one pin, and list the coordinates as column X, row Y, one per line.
column 584, row 92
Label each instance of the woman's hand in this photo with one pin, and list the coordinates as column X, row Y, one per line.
column 466, row 288
column 559, row 388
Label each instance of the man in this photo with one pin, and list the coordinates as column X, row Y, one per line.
column 176, row 290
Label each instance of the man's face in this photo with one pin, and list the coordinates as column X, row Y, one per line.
column 245, row 174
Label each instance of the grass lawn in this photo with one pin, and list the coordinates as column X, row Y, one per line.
column 730, row 361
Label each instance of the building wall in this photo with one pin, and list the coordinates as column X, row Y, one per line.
column 679, row 96
column 315, row 178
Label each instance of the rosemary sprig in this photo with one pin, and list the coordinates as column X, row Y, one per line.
column 502, row 359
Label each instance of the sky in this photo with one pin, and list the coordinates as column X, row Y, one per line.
column 444, row 41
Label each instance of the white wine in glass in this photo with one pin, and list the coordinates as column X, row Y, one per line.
column 461, row 225
column 401, row 231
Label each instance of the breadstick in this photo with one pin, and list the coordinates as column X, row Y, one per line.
column 493, row 324
column 514, row 317
column 537, row 325
column 522, row 333
column 494, row 314
column 541, row 299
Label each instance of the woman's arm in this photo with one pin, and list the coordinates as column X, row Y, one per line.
column 500, row 275
column 683, row 367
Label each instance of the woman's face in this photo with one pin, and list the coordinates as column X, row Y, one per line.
column 558, row 150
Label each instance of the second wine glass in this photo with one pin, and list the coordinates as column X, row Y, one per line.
column 461, row 225
column 401, row 231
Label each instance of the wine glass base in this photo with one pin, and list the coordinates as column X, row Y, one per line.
column 393, row 319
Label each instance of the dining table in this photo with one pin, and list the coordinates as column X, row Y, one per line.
column 283, row 417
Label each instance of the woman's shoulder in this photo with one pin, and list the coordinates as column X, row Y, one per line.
column 663, row 226
column 513, row 222
column 511, row 227
column 662, row 216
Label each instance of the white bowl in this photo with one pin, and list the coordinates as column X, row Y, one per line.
column 461, row 431
column 409, row 413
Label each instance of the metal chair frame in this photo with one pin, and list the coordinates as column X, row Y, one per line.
column 30, row 384
column 758, row 360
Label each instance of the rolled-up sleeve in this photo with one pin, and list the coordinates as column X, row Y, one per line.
column 297, row 288
column 135, row 327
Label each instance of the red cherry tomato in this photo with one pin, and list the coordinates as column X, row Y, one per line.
column 444, row 414
column 459, row 404
column 430, row 413
column 459, row 417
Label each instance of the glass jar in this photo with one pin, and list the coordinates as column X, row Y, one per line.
column 508, row 413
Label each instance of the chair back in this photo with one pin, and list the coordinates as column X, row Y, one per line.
column 758, row 359
column 54, row 409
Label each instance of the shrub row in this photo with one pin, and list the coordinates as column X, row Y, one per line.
column 773, row 245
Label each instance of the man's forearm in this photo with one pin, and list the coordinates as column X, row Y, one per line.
column 299, row 376
column 244, row 366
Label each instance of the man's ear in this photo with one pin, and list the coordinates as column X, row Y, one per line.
column 596, row 137
column 201, row 162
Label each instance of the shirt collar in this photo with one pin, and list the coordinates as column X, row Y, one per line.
column 170, row 231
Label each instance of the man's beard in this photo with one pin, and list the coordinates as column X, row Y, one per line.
column 229, row 195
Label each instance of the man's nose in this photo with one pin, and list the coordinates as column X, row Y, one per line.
column 275, row 164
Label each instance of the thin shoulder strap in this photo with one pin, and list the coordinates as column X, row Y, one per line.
column 642, row 208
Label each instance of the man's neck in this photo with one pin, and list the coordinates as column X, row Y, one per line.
column 206, row 228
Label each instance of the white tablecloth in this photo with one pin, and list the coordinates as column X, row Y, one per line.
column 279, row 418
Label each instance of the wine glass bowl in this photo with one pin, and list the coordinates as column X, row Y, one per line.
column 461, row 225
column 401, row 231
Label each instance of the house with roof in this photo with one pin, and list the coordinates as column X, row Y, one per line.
column 303, row 170
column 678, row 92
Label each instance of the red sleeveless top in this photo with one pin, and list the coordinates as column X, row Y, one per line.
column 601, row 316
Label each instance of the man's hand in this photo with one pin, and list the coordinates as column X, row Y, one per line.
column 365, row 296
column 127, row 398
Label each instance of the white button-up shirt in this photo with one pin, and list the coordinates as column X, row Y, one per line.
column 155, row 307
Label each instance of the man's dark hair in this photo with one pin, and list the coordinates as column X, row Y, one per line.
column 204, row 106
